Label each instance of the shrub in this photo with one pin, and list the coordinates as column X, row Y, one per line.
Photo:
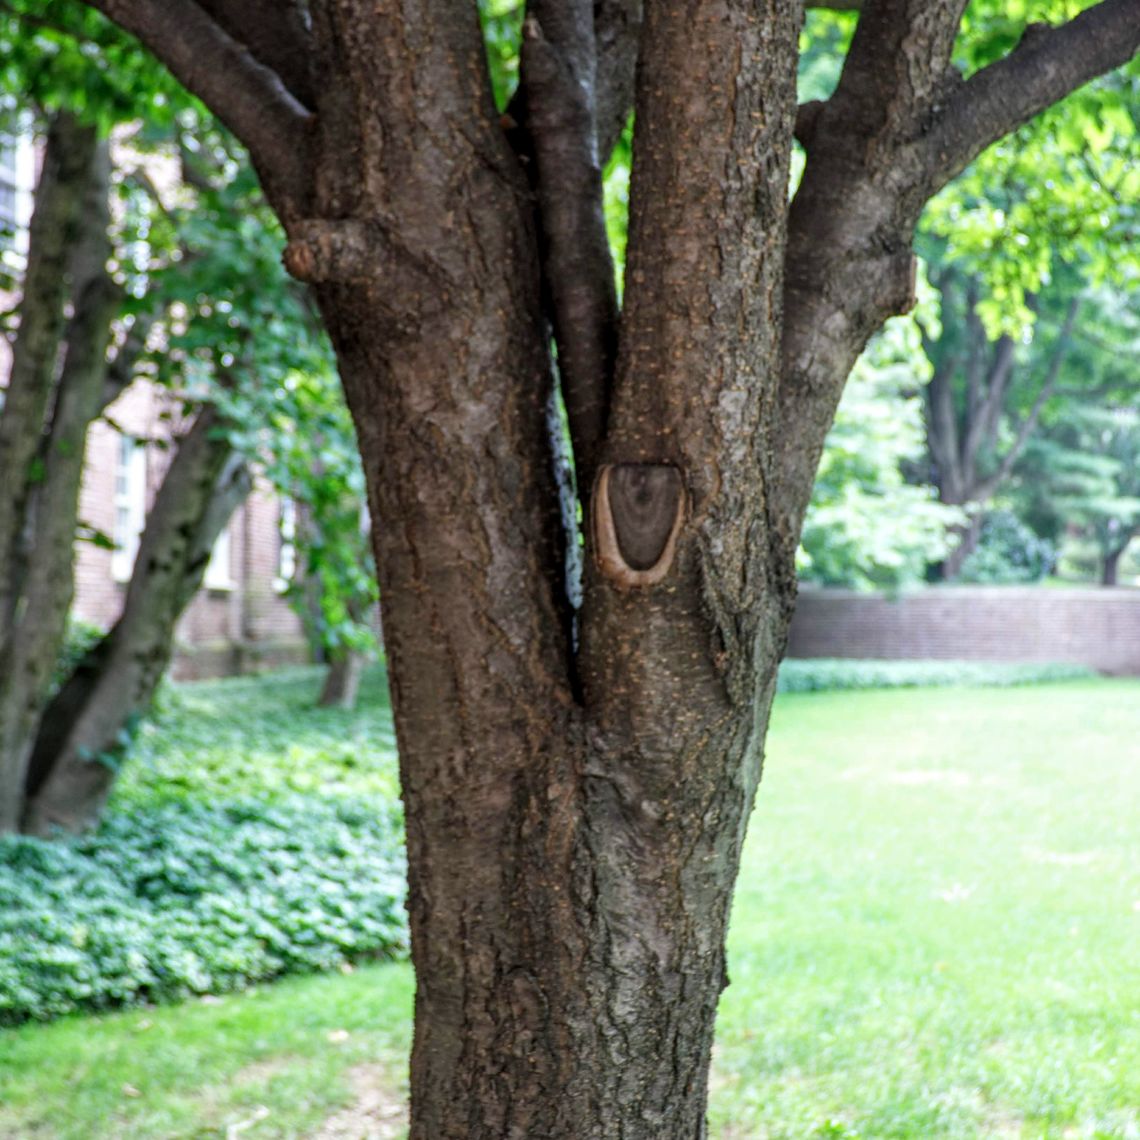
column 1008, row 551
column 183, row 899
column 809, row 675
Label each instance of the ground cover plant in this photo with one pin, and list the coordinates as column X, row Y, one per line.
column 252, row 835
column 933, row 939
column 255, row 835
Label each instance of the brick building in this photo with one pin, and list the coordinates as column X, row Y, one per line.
column 238, row 621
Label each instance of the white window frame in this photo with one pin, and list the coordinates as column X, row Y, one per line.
column 130, row 505
column 287, row 544
column 219, row 575
column 18, row 173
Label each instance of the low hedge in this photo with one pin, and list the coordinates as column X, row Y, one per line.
column 185, row 899
column 814, row 674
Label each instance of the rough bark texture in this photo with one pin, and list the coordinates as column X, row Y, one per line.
column 43, row 432
column 575, row 809
column 81, row 736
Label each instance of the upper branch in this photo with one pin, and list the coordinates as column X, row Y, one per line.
column 245, row 94
column 1045, row 66
column 617, row 29
column 898, row 58
column 275, row 33
column 558, row 76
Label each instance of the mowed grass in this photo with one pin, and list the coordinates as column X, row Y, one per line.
column 936, row 935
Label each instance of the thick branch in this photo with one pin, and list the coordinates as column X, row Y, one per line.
column 245, row 94
column 558, row 68
column 1046, row 66
column 275, row 33
column 617, row 29
column 899, row 57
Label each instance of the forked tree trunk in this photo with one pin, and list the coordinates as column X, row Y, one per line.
column 84, row 732
column 573, row 823
column 576, row 785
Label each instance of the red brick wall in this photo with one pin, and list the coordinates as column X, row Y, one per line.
column 1095, row 627
column 248, row 626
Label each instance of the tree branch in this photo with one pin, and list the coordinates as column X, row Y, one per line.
column 1045, row 66
column 558, row 72
column 275, row 33
column 899, row 57
column 245, row 94
column 987, row 487
column 617, row 28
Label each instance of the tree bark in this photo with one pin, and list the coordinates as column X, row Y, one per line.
column 57, row 222
column 967, row 400
column 45, row 428
column 575, row 811
column 84, row 732
column 968, row 537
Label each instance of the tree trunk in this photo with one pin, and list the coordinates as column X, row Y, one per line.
column 968, row 537
column 44, row 501
column 576, row 784
column 85, row 730
column 1111, row 569
column 342, row 680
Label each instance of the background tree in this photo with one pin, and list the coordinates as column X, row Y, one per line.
column 577, row 780
column 1039, row 220
column 1081, row 483
column 868, row 525
column 177, row 294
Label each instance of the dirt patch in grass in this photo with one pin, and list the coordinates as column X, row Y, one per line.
column 380, row 1111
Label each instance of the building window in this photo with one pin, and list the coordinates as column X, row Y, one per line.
column 287, row 543
column 17, row 178
column 218, row 576
column 130, row 506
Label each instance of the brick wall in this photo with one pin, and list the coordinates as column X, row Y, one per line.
column 245, row 626
column 1095, row 627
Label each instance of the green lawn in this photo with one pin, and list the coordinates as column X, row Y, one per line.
column 936, row 935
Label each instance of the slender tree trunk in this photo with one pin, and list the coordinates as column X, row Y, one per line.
column 968, row 538
column 1111, row 569
column 84, row 731
column 40, row 512
column 342, row 680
